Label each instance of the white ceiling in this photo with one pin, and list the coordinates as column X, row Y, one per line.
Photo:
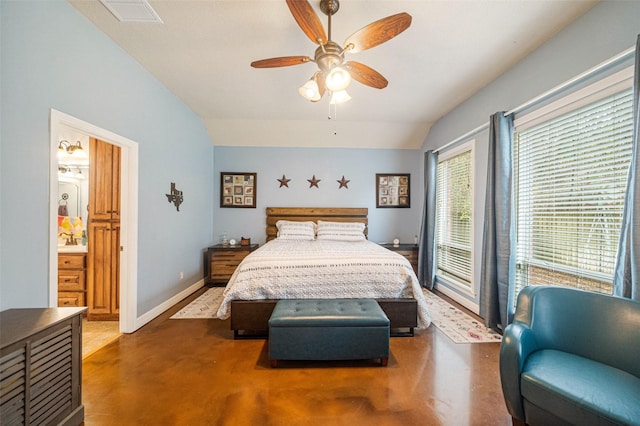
column 452, row 49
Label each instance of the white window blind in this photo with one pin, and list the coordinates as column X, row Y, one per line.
column 570, row 179
column 454, row 208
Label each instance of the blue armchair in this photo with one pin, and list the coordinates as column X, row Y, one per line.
column 572, row 357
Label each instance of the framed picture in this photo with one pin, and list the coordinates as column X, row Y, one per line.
column 393, row 190
column 238, row 189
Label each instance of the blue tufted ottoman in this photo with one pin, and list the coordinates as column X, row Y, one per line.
column 328, row 329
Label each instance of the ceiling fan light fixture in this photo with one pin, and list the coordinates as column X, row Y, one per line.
column 310, row 90
column 339, row 97
column 334, row 73
column 338, row 79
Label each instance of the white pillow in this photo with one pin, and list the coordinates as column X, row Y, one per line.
column 291, row 230
column 341, row 231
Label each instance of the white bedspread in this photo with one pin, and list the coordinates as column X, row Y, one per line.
column 324, row 269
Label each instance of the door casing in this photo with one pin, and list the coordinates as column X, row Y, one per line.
column 128, row 218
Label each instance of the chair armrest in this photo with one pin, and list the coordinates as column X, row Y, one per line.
column 518, row 342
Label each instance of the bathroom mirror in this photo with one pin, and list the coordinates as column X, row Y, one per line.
column 68, row 199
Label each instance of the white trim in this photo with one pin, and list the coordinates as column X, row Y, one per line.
column 128, row 216
column 469, row 304
column 615, row 60
column 621, row 57
column 457, row 150
column 603, row 100
column 470, row 133
column 608, row 86
column 167, row 304
column 469, row 145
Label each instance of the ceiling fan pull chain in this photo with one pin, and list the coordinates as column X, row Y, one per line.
column 333, row 116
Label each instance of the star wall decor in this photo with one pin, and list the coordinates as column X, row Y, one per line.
column 313, row 182
column 284, row 181
column 343, row 182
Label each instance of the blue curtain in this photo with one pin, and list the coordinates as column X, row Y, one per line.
column 427, row 247
column 627, row 272
column 498, row 245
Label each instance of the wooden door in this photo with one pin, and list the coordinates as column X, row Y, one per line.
column 103, row 271
column 115, row 268
column 104, row 180
column 99, row 270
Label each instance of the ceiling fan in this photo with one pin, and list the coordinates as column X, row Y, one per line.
column 334, row 72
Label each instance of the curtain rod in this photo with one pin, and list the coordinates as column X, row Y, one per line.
column 579, row 78
column 465, row 136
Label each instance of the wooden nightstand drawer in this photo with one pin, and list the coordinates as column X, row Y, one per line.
column 229, row 257
column 411, row 255
column 222, row 270
column 410, row 251
column 223, row 261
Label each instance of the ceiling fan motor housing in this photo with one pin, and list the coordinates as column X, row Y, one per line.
column 328, row 56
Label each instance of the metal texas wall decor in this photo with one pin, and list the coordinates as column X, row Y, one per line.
column 176, row 197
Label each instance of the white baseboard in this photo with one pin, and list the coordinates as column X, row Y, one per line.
column 153, row 313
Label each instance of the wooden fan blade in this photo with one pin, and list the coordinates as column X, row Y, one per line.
column 366, row 75
column 283, row 61
column 308, row 20
column 377, row 32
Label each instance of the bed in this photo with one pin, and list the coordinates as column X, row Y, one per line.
column 298, row 266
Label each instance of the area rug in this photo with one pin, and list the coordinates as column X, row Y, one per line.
column 457, row 325
column 204, row 307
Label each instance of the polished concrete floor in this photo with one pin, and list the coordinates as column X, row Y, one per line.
column 192, row 372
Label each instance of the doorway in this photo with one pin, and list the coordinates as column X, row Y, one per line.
column 128, row 217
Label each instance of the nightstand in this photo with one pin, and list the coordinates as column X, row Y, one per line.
column 222, row 261
column 410, row 251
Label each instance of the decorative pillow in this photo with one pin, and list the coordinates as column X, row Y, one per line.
column 341, row 231
column 291, row 230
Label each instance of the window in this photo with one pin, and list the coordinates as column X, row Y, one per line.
column 454, row 214
column 570, row 176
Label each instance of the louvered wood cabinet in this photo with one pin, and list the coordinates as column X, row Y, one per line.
column 41, row 366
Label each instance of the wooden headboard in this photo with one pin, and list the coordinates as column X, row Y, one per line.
column 347, row 214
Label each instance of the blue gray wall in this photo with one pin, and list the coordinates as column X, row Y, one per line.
column 606, row 30
column 52, row 57
column 359, row 166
